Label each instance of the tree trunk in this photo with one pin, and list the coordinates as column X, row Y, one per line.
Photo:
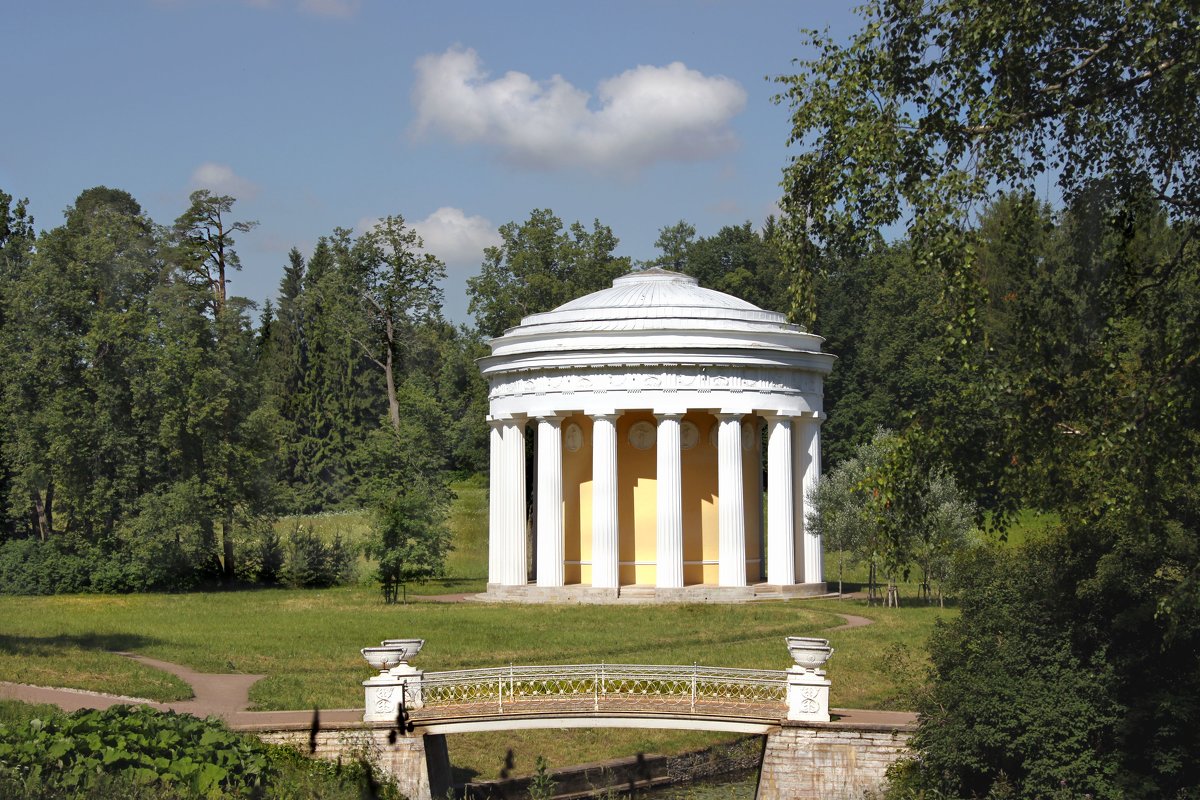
column 227, row 566
column 389, row 376
column 208, row 539
column 43, row 511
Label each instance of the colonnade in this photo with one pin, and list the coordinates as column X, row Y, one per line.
column 793, row 467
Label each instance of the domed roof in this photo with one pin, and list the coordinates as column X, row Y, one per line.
column 652, row 310
column 652, row 294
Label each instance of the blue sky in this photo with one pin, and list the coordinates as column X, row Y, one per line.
column 459, row 116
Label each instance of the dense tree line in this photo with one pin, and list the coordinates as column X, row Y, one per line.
column 154, row 427
column 156, row 423
column 1066, row 347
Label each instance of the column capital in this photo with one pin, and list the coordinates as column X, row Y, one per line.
column 611, row 416
column 773, row 416
column 553, row 419
column 726, row 414
column 666, row 415
column 507, row 419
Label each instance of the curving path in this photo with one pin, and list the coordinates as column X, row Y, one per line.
column 852, row 621
column 228, row 695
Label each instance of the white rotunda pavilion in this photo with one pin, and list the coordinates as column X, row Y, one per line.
column 648, row 403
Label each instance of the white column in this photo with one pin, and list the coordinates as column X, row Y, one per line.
column 731, row 517
column 781, row 514
column 810, row 445
column 669, row 544
column 549, row 502
column 496, row 491
column 605, row 536
column 512, row 556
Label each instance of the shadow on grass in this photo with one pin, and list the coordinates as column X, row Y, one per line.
column 461, row 775
column 53, row 645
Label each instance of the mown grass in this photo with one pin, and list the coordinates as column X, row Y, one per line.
column 306, row 643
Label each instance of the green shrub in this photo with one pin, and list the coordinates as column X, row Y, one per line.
column 137, row 753
column 137, row 744
column 61, row 566
column 29, row 566
column 311, row 563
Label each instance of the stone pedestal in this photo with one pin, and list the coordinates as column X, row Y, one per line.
column 829, row 761
column 807, row 695
column 385, row 691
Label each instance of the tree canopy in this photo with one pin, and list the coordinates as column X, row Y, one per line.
column 1068, row 331
column 540, row 265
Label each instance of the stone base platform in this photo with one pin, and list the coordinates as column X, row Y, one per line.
column 636, row 594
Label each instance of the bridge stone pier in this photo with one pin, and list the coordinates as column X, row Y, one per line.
column 809, row 752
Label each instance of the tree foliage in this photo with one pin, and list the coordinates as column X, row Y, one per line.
column 858, row 512
column 538, row 266
column 203, row 241
column 1071, row 331
column 737, row 260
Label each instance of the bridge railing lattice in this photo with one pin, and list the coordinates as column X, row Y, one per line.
column 606, row 687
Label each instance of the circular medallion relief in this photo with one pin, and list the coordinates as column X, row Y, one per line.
column 689, row 434
column 573, row 437
column 714, row 435
column 747, row 436
column 642, row 435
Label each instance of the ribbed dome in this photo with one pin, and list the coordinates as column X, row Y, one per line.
column 654, row 316
column 650, row 299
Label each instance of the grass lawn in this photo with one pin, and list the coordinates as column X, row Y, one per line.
column 306, row 643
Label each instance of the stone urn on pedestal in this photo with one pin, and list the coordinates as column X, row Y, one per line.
column 808, row 689
column 398, row 682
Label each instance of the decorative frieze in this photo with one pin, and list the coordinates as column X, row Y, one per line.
column 769, row 380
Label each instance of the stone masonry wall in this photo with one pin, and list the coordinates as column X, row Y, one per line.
column 828, row 761
column 801, row 761
column 420, row 765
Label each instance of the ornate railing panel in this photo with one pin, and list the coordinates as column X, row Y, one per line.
column 605, row 687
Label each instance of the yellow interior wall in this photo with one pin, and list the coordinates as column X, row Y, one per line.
column 700, row 503
column 752, row 499
column 577, row 503
column 637, row 503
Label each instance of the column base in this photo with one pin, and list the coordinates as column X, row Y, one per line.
column 635, row 594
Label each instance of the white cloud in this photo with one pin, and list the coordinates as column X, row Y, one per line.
column 455, row 238
column 450, row 234
column 221, row 178
column 644, row 115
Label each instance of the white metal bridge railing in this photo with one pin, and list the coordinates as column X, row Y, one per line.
column 605, row 687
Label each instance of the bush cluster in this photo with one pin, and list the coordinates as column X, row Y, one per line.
column 62, row 566
column 146, row 747
column 58, row 566
column 138, row 753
